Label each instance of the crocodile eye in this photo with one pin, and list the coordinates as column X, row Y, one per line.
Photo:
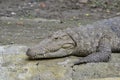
column 56, row 38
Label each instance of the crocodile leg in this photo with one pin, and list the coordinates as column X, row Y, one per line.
column 103, row 53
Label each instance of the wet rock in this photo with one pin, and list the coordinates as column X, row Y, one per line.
column 99, row 70
column 115, row 78
column 15, row 65
column 12, row 49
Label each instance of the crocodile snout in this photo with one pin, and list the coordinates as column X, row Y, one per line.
column 35, row 53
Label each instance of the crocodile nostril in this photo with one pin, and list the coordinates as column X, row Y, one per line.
column 30, row 53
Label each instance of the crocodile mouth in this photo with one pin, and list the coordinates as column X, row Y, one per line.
column 50, row 52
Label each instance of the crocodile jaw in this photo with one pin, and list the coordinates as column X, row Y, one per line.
column 59, row 53
column 50, row 52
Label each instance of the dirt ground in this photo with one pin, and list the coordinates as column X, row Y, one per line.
column 18, row 24
column 60, row 9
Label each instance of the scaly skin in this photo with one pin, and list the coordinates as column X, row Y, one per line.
column 94, row 42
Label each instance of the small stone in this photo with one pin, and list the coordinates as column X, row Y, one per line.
column 74, row 17
column 118, row 13
column 87, row 14
column 31, row 5
column 79, row 24
column 93, row 6
column 12, row 42
column 83, row 1
column 13, row 13
column 37, row 10
column 38, row 37
column 108, row 11
column 61, row 21
column 20, row 23
column 8, row 22
column 42, row 5
column 21, row 19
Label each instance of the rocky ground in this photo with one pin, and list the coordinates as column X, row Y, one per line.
column 24, row 23
column 60, row 9
column 15, row 65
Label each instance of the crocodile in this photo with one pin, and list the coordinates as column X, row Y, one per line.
column 93, row 42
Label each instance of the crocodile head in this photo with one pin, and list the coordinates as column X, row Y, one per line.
column 59, row 44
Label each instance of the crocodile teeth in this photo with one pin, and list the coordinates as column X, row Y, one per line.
column 44, row 55
column 53, row 49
